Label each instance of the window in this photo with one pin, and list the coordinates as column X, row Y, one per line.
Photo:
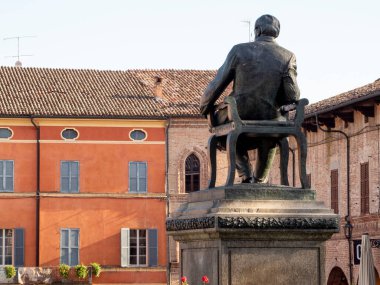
column 364, row 188
column 12, row 247
column 5, row 133
column 137, row 135
column 139, row 247
column 70, row 176
column 137, row 176
column 6, row 175
column 69, row 134
column 192, row 174
column 70, row 246
column 334, row 191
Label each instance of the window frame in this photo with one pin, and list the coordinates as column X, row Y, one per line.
column 4, row 175
column 138, row 247
column 139, row 130
column 69, row 247
column 66, row 139
column 191, row 175
column 151, row 247
column 3, row 247
column 70, row 176
column 8, row 138
column 138, row 163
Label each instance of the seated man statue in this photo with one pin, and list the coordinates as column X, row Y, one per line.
column 264, row 78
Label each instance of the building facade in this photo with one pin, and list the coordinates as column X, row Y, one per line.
column 343, row 167
column 83, row 167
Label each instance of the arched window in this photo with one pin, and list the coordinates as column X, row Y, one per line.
column 192, row 174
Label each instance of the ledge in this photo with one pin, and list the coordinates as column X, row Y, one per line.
column 105, row 195
column 253, row 192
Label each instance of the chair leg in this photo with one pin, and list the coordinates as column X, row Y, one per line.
column 284, row 159
column 211, row 150
column 231, row 157
column 302, row 152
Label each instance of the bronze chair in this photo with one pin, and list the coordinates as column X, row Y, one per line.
column 259, row 128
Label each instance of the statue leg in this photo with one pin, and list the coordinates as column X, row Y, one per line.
column 212, row 142
column 243, row 165
column 302, row 152
column 265, row 156
column 284, row 159
column 231, row 157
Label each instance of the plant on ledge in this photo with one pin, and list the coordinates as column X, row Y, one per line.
column 96, row 269
column 64, row 270
column 81, row 271
column 10, row 271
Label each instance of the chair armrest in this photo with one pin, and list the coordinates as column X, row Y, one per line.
column 233, row 114
column 300, row 111
column 210, row 118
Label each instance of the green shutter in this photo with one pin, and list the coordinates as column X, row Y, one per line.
column 19, row 247
column 153, row 247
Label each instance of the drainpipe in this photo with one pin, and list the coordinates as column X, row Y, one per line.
column 348, row 226
column 168, row 275
column 37, row 193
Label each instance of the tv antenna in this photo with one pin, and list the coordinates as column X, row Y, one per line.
column 249, row 29
column 18, row 62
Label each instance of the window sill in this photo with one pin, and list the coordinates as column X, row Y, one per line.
column 137, row 268
column 104, row 195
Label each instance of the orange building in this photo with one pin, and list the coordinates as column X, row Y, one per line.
column 83, row 163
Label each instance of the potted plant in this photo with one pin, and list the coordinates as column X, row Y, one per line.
column 96, row 269
column 64, row 270
column 10, row 271
column 81, row 271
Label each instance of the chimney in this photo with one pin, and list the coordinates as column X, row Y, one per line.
column 158, row 87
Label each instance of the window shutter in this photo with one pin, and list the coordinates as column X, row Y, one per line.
column 334, row 191
column 19, row 247
column 74, row 175
column 124, row 247
column 153, row 249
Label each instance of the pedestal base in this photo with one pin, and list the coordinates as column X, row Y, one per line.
column 253, row 234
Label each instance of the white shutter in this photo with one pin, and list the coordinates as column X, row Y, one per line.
column 124, row 247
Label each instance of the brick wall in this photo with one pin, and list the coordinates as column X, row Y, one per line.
column 186, row 137
column 326, row 152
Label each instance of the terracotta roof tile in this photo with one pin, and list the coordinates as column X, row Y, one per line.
column 122, row 94
column 359, row 94
column 96, row 93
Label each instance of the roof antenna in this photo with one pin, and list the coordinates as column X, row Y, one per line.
column 18, row 62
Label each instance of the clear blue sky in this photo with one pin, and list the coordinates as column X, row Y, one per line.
column 337, row 42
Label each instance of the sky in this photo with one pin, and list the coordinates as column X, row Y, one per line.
column 336, row 42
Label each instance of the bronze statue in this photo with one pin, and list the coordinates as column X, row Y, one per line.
column 264, row 79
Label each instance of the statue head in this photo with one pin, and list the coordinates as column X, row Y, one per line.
column 267, row 25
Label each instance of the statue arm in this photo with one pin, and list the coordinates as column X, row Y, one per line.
column 289, row 79
column 223, row 77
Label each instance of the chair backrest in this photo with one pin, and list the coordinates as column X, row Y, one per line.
column 233, row 115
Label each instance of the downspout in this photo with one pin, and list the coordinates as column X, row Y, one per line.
column 347, row 218
column 37, row 193
column 168, row 275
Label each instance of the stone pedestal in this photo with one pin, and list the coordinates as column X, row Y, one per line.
column 253, row 234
